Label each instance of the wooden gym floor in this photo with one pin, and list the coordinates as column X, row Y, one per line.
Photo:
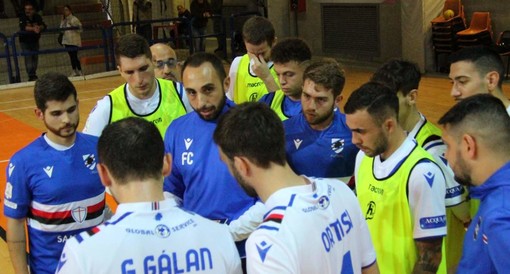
column 19, row 126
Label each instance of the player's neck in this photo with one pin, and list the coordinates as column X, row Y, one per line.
column 139, row 191
column 410, row 121
column 63, row 141
column 275, row 178
column 499, row 94
column 394, row 142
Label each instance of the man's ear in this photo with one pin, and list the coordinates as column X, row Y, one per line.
column 104, row 175
column 167, row 164
column 492, row 79
column 242, row 165
column 226, row 83
column 39, row 114
column 338, row 100
column 469, row 146
column 411, row 97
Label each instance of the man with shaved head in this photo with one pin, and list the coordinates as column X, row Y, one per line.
column 165, row 62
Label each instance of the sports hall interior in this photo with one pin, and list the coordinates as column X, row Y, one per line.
column 360, row 34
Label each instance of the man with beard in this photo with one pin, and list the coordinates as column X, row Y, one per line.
column 403, row 77
column 319, row 134
column 479, row 154
column 400, row 188
column 198, row 176
column 165, row 60
column 290, row 57
column 311, row 225
column 52, row 184
column 252, row 75
column 475, row 70
column 166, row 243
column 156, row 100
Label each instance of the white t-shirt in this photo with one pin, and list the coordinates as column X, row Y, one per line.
column 152, row 237
column 232, row 73
column 425, row 200
column 314, row 228
column 437, row 148
column 99, row 116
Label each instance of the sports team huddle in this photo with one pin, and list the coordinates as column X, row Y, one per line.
column 259, row 170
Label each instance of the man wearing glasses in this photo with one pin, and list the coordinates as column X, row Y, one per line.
column 165, row 62
column 158, row 101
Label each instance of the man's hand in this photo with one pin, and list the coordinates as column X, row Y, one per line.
column 260, row 68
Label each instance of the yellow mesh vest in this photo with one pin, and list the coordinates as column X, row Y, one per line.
column 249, row 88
column 277, row 104
column 427, row 130
column 170, row 106
column 386, row 208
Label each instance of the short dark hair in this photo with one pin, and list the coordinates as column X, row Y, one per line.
column 52, row 86
column 252, row 130
column 399, row 75
column 132, row 149
column 197, row 59
column 131, row 46
column 327, row 73
column 377, row 99
column 485, row 59
column 291, row 49
column 258, row 30
column 483, row 115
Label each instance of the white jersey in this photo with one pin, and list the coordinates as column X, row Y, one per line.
column 425, row 200
column 508, row 110
column 99, row 116
column 152, row 237
column 314, row 228
column 437, row 148
column 232, row 73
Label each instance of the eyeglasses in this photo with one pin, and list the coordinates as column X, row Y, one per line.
column 171, row 63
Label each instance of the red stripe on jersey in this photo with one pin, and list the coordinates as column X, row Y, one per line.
column 65, row 214
column 274, row 216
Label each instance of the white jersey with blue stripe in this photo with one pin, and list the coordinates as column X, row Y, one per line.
column 313, row 228
column 152, row 237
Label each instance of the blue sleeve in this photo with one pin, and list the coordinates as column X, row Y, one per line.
column 267, row 98
column 17, row 191
column 498, row 240
column 174, row 182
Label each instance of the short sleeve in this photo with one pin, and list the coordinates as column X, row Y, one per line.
column 427, row 200
column 17, row 196
column 99, row 117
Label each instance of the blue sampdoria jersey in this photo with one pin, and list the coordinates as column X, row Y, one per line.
column 59, row 192
column 198, row 175
column 328, row 153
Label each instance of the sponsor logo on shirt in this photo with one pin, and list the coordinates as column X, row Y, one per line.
column 162, row 231
column 79, row 214
column 376, row 190
column 370, row 211
column 429, row 176
column 323, row 202
column 187, row 156
column 253, row 85
column 48, row 170
column 157, row 121
column 454, row 191
column 433, row 222
column 90, row 161
column 10, row 204
column 297, row 143
column 263, row 248
column 183, row 225
column 477, row 228
column 188, row 142
column 337, row 145
column 11, row 168
column 8, row 190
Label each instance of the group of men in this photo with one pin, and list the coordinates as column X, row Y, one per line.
column 208, row 181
